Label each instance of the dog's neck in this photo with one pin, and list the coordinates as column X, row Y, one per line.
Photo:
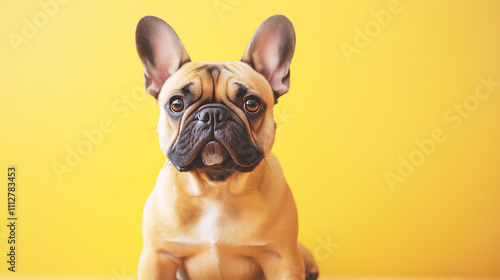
column 195, row 183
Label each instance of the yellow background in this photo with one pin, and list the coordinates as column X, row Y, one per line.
column 342, row 126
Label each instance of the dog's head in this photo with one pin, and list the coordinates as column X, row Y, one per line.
column 216, row 118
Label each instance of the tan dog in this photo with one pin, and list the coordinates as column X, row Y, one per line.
column 221, row 208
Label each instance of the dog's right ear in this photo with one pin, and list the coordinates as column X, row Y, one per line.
column 160, row 50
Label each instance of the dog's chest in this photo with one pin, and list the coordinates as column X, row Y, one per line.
column 222, row 240
column 227, row 224
column 211, row 217
column 225, row 219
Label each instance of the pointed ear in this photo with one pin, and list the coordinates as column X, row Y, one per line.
column 160, row 50
column 270, row 52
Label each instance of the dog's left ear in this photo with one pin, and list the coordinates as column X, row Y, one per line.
column 270, row 52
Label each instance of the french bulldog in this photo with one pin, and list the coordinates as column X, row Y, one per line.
column 221, row 207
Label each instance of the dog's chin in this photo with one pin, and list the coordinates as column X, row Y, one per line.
column 214, row 160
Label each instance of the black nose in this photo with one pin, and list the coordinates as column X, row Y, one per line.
column 209, row 115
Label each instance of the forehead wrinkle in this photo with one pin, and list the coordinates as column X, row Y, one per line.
column 211, row 71
column 175, row 88
column 214, row 74
column 255, row 80
column 207, row 81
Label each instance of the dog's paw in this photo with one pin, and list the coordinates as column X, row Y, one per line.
column 312, row 271
column 311, row 276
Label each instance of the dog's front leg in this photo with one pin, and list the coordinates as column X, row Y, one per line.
column 156, row 265
column 283, row 266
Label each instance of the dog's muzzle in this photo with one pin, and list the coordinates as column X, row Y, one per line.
column 214, row 138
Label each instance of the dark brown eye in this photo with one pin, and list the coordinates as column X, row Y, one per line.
column 252, row 105
column 176, row 105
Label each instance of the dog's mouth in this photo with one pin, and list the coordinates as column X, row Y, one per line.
column 214, row 160
column 213, row 154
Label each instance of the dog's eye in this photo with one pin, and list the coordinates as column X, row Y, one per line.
column 252, row 105
column 176, row 105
